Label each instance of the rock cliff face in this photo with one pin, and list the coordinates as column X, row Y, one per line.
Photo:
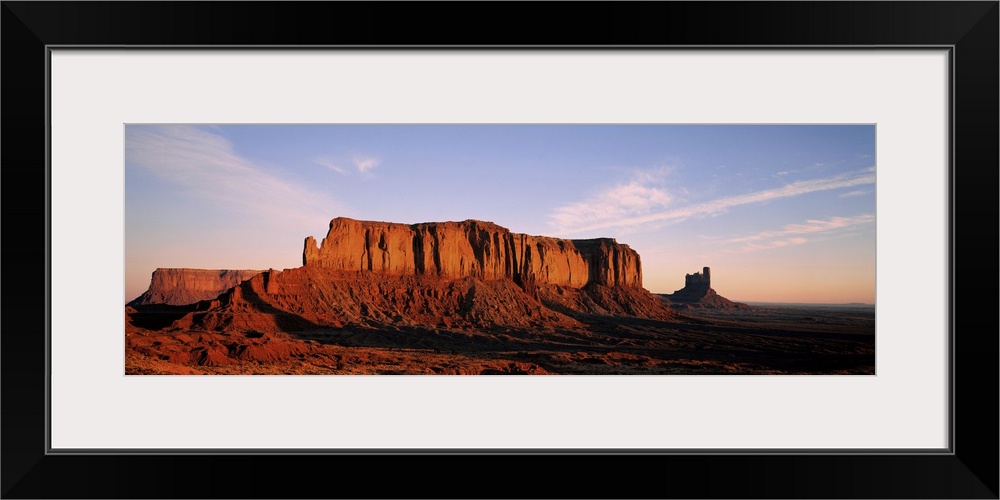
column 476, row 249
column 187, row 286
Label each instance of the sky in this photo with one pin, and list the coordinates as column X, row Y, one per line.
column 781, row 213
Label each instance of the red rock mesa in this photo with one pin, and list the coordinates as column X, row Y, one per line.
column 468, row 275
column 472, row 248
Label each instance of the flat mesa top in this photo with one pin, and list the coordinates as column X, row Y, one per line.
column 465, row 223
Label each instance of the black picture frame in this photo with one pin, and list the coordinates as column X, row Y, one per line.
column 970, row 29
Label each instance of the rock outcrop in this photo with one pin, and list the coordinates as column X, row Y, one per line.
column 474, row 249
column 698, row 293
column 179, row 286
column 465, row 276
column 313, row 297
column 696, row 286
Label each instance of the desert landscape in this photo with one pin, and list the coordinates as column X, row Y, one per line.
column 472, row 297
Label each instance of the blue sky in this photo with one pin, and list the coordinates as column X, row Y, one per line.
column 780, row 213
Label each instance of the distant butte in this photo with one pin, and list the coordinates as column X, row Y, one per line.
column 181, row 286
column 698, row 293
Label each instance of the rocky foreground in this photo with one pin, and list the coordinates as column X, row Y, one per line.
column 450, row 298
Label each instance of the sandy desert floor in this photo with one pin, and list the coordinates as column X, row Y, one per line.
column 764, row 340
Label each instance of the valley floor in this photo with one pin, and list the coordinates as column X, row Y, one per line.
column 762, row 340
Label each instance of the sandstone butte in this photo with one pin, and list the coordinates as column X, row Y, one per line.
column 698, row 293
column 473, row 248
column 180, row 286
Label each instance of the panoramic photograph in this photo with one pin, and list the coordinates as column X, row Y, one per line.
column 489, row 249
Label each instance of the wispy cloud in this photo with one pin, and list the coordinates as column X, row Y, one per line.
column 206, row 166
column 567, row 224
column 791, row 233
column 365, row 164
column 774, row 244
column 333, row 166
column 860, row 192
column 808, row 227
column 639, row 196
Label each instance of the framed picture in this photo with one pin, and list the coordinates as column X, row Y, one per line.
column 785, row 215
column 918, row 80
